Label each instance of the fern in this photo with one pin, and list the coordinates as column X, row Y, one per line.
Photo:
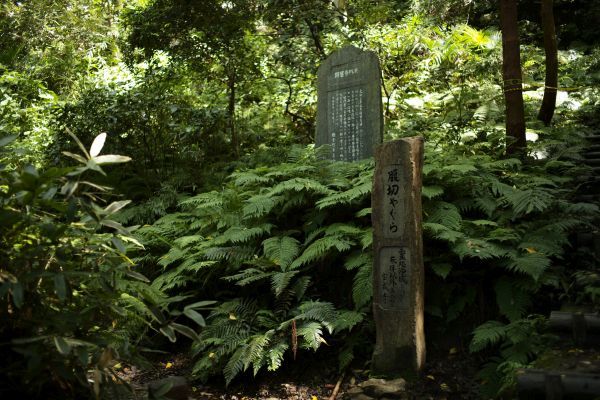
column 320, row 247
column 282, row 250
column 281, row 280
column 312, row 335
column 346, row 320
column 531, row 264
column 260, row 205
column 530, row 200
column 513, row 301
column 445, row 214
column 354, row 194
column 298, row 185
column 487, row 334
column 249, row 178
column 238, row 234
column 362, row 287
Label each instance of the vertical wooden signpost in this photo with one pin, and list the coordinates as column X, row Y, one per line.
column 398, row 275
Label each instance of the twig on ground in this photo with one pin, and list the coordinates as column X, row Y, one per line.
column 336, row 389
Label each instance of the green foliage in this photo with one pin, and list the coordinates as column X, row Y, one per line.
column 519, row 343
column 71, row 300
column 263, row 234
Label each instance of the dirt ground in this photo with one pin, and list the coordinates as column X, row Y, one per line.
column 449, row 378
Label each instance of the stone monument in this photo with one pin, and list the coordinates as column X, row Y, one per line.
column 398, row 274
column 349, row 108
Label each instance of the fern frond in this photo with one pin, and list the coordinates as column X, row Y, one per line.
column 212, row 199
column 445, row 214
column 530, row 200
column 281, row 280
column 320, row 247
column 354, row 194
column 175, row 254
column 347, row 320
column 478, row 248
column 487, row 334
column 180, row 276
column 247, row 276
column 185, row 241
column 312, row 334
column 358, row 260
column 299, row 288
column 432, row 192
column 260, row 205
column 239, row 234
column 464, row 167
column 298, row 185
column 235, row 365
column 321, row 311
column 249, row 178
column 362, row 287
column 275, row 354
column 442, row 232
column 512, row 301
column 531, row 264
column 231, row 253
column 282, row 250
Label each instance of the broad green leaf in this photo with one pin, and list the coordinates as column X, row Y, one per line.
column 186, row 331
column 168, row 331
column 201, row 304
column 111, row 159
column 137, row 275
column 76, row 157
column 62, row 346
column 194, row 316
column 60, row 286
column 116, row 206
column 114, row 225
column 118, row 243
column 97, row 144
column 17, row 294
column 157, row 314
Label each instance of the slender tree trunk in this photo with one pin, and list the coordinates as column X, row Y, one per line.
column 550, row 47
column 231, row 113
column 511, row 73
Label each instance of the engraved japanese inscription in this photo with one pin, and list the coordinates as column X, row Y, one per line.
column 349, row 118
column 395, row 278
column 393, row 202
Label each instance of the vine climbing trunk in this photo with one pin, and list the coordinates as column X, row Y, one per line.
column 551, row 86
column 511, row 73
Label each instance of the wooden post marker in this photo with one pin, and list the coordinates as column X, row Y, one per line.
column 398, row 273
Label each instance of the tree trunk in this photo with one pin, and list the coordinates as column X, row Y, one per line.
column 551, row 85
column 511, row 73
column 231, row 113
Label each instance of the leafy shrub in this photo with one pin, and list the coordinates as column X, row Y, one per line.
column 68, row 291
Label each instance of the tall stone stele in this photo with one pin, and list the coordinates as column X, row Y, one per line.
column 398, row 273
column 349, row 108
